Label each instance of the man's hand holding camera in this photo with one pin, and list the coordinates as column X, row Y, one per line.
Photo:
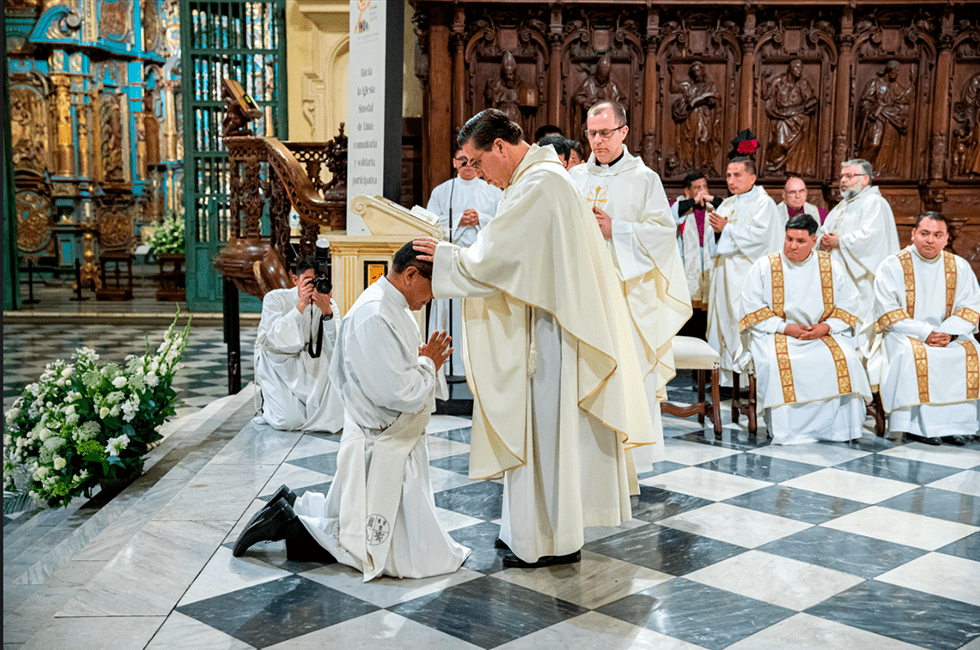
column 308, row 294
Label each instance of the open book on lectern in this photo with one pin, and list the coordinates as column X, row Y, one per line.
column 382, row 216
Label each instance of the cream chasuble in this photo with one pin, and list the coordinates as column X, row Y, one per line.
column 296, row 389
column 379, row 515
column 866, row 228
column 826, row 376
column 550, row 359
column 928, row 391
column 754, row 230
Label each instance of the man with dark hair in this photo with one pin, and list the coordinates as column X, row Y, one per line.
column 927, row 303
column 690, row 214
column 577, row 155
column 797, row 314
column 293, row 348
column 558, row 391
column 545, row 131
column 379, row 515
column 633, row 215
column 561, row 147
column 746, row 227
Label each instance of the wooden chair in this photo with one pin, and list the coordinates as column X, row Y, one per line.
column 749, row 408
column 695, row 354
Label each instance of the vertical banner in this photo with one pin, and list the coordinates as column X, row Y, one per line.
column 374, row 114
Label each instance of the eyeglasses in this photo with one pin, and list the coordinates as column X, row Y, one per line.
column 851, row 175
column 475, row 162
column 604, row 133
column 462, row 162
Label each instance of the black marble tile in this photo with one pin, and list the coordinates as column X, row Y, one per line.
column 479, row 538
column 456, row 435
column 488, row 612
column 836, row 549
column 482, row 500
column 460, row 463
column 793, row 503
column 762, row 467
column 941, row 504
column 323, row 463
column 898, row 469
column 867, row 442
column 662, row 467
column 709, row 617
column 654, row 504
column 668, row 550
column 905, row 614
column 968, row 547
column 731, row 438
column 277, row 611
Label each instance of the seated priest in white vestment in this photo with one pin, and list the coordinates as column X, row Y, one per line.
column 464, row 204
column 548, row 343
column 746, row 227
column 634, row 218
column 293, row 348
column 859, row 233
column 797, row 325
column 928, row 306
column 379, row 515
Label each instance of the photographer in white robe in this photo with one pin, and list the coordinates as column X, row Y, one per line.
column 631, row 208
column 796, row 326
column 747, row 227
column 859, row 233
column 928, row 306
column 558, row 394
column 296, row 389
column 464, row 204
column 379, row 515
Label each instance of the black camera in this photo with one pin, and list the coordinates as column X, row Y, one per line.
column 322, row 285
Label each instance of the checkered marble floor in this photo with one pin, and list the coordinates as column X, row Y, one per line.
column 733, row 544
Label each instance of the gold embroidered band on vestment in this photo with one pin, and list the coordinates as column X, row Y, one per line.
column 755, row 318
column 905, row 257
column 949, row 265
column 826, row 283
column 921, row 369
column 968, row 315
column 785, row 369
column 891, row 317
column 972, row 370
column 840, row 363
column 778, row 285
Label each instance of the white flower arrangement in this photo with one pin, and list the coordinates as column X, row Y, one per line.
column 80, row 424
column 168, row 237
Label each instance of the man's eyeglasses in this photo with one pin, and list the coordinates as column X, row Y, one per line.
column 603, row 133
column 475, row 162
column 851, row 175
column 462, row 162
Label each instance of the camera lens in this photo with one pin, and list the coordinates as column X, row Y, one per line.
column 322, row 285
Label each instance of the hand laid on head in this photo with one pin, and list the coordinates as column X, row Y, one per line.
column 938, row 339
column 470, row 218
column 605, row 222
column 437, row 348
column 829, row 241
column 427, row 246
column 305, row 294
column 717, row 221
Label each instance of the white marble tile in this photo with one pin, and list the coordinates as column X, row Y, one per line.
column 450, row 520
column 295, row 477
column 440, row 423
column 35, row 613
column 704, row 483
column 850, row 485
column 805, row 632
column 967, row 482
column 942, row 455
column 186, row 633
column 225, row 573
column 812, row 453
column 312, row 446
column 592, row 583
column 693, row 453
column 384, row 591
column 735, row 525
column 900, row 527
column 593, row 533
column 258, row 443
column 972, row 645
column 218, row 491
column 96, row 633
column 939, row 574
column 376, row 630
column 444, row 479
column 776, row 580
column 596, row 631
column 441, row 447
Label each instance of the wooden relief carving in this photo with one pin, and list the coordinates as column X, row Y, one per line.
column 695, row 112
column 110, row 138
column 966, row 155
column 34, row 222
column 790, row 105
column 883, row 119
column 115, row 19
column 115, row 224
column 29, row 129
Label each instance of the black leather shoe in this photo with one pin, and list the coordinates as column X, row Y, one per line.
column 911, row 437
column 282, row 493
column 499, row 543
column 268, row 529
column 513, row 562
column 956, row 441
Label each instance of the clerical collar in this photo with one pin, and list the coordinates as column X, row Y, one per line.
column 915, row 251
column 613, row 162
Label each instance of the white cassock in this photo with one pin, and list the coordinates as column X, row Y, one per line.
column 451, row 199
column 928, row 391
column 754, row 230
column 811, row 390
column 550, row 359
column 648, row 263
column 695, row 253
column 866, row 228
column 296, row 389
column 379, row 515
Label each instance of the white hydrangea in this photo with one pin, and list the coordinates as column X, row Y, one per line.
column 129, row 410
column 59, row 463
column 104, row 412
column 152, row 380
column 115, row 396
column 116, row 445
column 119, row 381
column 13, row 413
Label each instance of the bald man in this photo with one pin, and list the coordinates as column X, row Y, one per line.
column 794, row 202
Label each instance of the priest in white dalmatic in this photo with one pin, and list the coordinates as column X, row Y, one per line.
column 928, row 307
column 548, row 347
column 379, row 515
column 746, row 227
column 635, row 220
column 464, row 204
column 859, row 233
column 293, row 348
column 797, row 329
